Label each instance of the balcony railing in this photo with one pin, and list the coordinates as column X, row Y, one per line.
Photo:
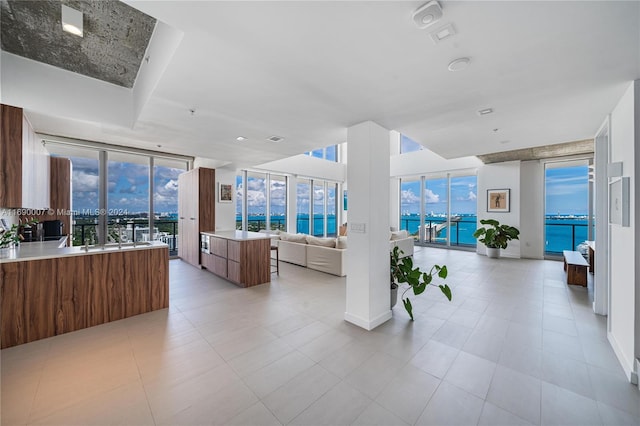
column 564, row 236
column 167, row 232
column 434, row 231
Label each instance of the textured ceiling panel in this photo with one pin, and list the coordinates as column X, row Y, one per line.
column 541, row 152
column 115, row 37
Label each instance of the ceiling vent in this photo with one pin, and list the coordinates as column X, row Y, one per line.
column 485, row 111
column 443, row 33
column 427, row 14
column 275, row 139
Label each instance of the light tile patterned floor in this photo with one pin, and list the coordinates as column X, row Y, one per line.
column 516, row 346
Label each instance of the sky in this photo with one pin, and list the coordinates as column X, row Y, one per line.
column 128, row 187
column 567, row 191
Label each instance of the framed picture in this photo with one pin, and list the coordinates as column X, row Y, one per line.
column 225, row 193
column 498, row 200
column 619, row 201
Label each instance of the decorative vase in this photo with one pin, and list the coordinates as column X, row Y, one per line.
column 493, row 253
column 394, row 296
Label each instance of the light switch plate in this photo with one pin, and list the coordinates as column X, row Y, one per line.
column 360, row 228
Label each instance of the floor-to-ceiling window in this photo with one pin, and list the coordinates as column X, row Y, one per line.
column 410, row 193
column 303, row 206
column 85, row 197
column 319, row 217
column 436, row 209
column 165, row 201
column 128, row 198
column 440, row 210
column 112, row 198
column 464, row 221
column 566, row 205
column 332, row 209
column 278, row 202
column 256, row 201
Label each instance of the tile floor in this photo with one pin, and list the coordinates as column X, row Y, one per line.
column 516, row 346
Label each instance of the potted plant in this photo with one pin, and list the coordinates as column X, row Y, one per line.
column 403, row 272
column 496, row 236
column 8, row 239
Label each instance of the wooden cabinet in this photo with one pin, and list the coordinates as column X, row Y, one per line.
column 196, row 211
column 24, row 163
column 240, row 257
column 47, row 297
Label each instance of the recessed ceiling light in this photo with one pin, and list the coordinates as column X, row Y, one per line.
column 159, row 146
column 241, row 138
column 427, row 14
column 495, row 130
column 485, row 111
column 275, row 139
column 72, row 21
column 443, row 33
column 458, row 64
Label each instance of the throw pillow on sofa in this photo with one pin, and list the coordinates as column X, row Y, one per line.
column 399, row 235
column 341, row 242
column 324, row 242
column 294, row 238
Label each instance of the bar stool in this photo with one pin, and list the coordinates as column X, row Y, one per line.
column 274, row 247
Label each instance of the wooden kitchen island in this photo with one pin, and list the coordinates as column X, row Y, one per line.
column 241, row 257
column 46, row 290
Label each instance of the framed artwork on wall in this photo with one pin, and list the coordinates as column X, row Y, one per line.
column 498, row 200
column 225, row 193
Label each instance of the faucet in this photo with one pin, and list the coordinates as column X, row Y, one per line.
column 86, row 244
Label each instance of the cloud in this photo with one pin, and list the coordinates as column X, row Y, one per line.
column 408, row 197
column 83, row 181
column 430, row 196
column 172, row 185
column 471, row 196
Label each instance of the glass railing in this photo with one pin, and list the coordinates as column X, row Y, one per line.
column 564, row 236
column 165, row 231
column 435, row 231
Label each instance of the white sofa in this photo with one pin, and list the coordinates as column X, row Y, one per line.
column 326, row 254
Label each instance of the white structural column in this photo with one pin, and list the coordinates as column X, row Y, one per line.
column 368, row 290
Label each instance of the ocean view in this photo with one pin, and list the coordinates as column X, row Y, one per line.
column 562, row 232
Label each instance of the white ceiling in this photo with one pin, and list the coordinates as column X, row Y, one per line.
column 306, row 71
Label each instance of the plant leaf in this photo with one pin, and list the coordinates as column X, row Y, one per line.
column 408, row 307
column 419, row 288
column 446, row 291
column 442, row 273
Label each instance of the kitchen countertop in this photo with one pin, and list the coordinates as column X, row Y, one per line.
column 53, row 249
column 238, row 235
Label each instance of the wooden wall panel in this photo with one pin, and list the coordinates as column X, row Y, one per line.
column 234, row 272
column 12, row 305
column 218, row 246
column 10, row 156
column 44, row 298
column 255, row 256
column 207, row 199
column 234, row 251
column 40, row 296
column 159, row 279
column 71, row 304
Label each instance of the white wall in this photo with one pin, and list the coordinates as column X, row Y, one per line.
column 501, row 176
column 307, row 166
column 226, row 212
column 37, row 86
column 624, row 281
column 532, row 243
column 425, row 161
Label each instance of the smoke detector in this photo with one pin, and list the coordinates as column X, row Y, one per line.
column 275, row 139
column 427, row 14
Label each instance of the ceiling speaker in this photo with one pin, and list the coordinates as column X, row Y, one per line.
column 427, row 14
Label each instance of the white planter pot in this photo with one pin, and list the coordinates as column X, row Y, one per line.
column 493, row 253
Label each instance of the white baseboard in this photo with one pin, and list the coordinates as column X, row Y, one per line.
column 368, row 324
column 627, row 365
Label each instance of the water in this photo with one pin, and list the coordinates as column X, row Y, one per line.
column 559, row 230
